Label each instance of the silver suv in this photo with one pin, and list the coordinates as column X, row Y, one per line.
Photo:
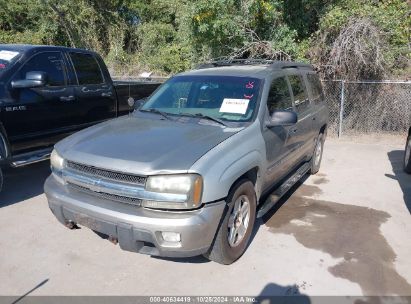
column 190, row 170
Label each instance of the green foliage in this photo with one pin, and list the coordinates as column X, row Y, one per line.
column 304, row 15
column 391, row 17
column 168, row 36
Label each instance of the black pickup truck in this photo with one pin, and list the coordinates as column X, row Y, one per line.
column 49, row 92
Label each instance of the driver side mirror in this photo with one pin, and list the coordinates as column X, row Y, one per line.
column 283, row 118
column 33, row 79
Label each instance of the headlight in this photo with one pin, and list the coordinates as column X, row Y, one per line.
column 57, row 162
column 187, row 186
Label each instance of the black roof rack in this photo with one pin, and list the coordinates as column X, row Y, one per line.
column 237, row 62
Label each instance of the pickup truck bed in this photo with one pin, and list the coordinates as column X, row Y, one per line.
column 136, row 89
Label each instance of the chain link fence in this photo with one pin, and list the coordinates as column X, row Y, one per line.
column 368, row 107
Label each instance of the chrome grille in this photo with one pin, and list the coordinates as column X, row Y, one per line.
column 107, row 174
column 109, row 196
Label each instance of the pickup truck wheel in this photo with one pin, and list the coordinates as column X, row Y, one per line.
column 235, row 230
column 407, row 156
column 1, row 180
column 318, row 154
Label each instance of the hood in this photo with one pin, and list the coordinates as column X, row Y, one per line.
column 144, row 145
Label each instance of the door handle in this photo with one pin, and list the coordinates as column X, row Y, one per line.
column 109, row 94
column 67, row 98
column 314, row 118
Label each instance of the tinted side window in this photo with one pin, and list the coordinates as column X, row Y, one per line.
column 279, row 96
column 316, row 87
column 50, row 62
column 300, row 97
column 87, row 69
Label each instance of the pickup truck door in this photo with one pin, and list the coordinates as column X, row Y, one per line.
column 38, row 117
column 93, row 89
column 277, row 139
column 301, row 141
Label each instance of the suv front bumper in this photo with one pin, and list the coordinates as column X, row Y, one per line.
column 137, row 229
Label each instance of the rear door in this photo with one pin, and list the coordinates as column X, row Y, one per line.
column 277, row 139
column 93, row 89
column 302, row 135
column 37, row 117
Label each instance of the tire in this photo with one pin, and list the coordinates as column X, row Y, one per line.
column 407, row 155
column 227, row 248
column 317, row 154
column 1, row 179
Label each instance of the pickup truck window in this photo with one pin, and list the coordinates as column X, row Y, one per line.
column 227, row 98
column 300, row 96
column 50, row 62
column 279, row 97
column 87, row 69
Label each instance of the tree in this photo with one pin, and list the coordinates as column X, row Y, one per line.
column 368, row 37
column 363, row 39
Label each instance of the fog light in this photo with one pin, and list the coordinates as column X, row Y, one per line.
column 171, row 236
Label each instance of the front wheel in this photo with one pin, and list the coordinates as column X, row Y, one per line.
column 407, row 156
column 235, row 231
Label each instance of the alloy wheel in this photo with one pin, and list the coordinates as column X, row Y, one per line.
column 238, row 221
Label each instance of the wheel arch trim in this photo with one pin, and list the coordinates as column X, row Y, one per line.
column 248, row 166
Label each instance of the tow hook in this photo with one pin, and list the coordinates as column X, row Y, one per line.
column 113, row 239
column 71, row 225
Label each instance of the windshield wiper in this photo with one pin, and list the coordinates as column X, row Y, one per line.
column 201, row 115
column 152, row 110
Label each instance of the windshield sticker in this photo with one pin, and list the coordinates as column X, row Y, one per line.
column 236, row 106
column 250, row 85
column 2, row 66
column 8, row 55
column 248, row 96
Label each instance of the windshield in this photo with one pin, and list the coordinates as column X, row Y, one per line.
column 7, row 59
column 225, row 98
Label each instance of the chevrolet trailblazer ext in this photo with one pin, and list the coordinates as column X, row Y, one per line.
column 189, row 171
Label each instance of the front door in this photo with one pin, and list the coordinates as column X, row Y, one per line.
column 277, row 139
column 34, row 116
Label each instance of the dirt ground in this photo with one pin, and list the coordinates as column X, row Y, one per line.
column 344, row 231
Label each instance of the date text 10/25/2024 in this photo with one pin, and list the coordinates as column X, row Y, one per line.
column 202, row 299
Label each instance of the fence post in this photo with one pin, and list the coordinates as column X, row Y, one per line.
column 341, row 108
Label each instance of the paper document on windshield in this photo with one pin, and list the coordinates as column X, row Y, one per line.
column 236, row 106
column 8, row 55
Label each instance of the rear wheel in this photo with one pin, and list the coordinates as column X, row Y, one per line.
column 235, row 231
column 407, row 156
column 318, row 154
